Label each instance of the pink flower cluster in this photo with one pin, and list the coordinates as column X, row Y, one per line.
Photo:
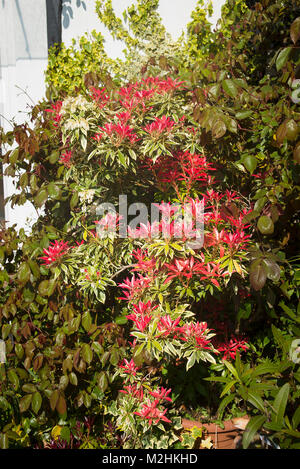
column 55, row 110
column 150, row 409
column 151, row 412
column 117, row 132
column 186, row 167
column 186, row 268
column 134, row 287
column 159, row 126
column 100, row 96
column 109, row 222
column 129, row 367
column 232, row 347
column 137, row 94
column 195, row 332
column 141, row 315
column 66, row 158
column 55, row 252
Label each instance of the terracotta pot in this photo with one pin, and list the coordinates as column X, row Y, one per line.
column 228, row 437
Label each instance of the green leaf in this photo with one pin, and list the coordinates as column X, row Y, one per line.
column 265, row 225
column 214, row 90
column 28, row 295
column 231, row 125
column 283, row 57
column 114, row 357
column 250, row 163
column 4, row 404
column 103, row 381
column 292, row 129
column 238, row 365
column 65, row 434
column 53, row 190
column 122, row 158
column 83, row 142
column 296, row 418
column 280, row 339
column 257, row 401
column 218, row 128
column 281, row 133
column 24, row 180
column 219, row 379
column 41, row 198
column 272, row 269
column 257, row 276
column 29, row 387
column 13, row 378
column 232, row 370
column 6, row 328
column 87, row 400
column 86, row 321
column 63, row 382
column 97, row 348
column 73, row 378
column 87, row 353
column 43, row 288
column 191, row 361
column 280, row 403
column 61, row 405
column 25, row 402
column 224, row 403
column 265, row 368
column 74, row 200
column 24, row 272
column 3, row 441
column 295, row 30
column 228, row 387
column 157, row 345
column 33, row 183
column 243, row 115
column 53, row 157
column 14, row 155
column 230, row 88
column 252, row 427
column 54, row 398
column 34, row 268
column 36, row 402
column 259, row 204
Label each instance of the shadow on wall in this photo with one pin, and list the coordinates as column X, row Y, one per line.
column 23, row 28
column 67, row 10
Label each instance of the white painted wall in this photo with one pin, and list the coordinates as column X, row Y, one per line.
column 23, row 60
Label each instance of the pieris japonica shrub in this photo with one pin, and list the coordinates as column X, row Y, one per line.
column 150, row 278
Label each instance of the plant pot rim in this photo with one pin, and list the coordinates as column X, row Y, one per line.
column 222, row 438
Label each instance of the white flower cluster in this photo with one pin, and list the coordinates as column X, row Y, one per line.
column 71, row 105
column 72, row 124
column 86, row 197
column 73, row 110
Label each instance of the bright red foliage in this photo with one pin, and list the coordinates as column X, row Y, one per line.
column 54, row 252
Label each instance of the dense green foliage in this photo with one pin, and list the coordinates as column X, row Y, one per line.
column 65, row 328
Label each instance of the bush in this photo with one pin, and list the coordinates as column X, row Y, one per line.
column 101, row 312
